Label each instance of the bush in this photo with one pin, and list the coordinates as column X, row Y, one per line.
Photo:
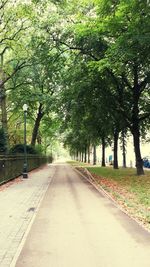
column 39, row 149
column 50, row 159
column 19, row 148
column 3, row 141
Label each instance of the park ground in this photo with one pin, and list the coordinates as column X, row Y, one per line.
column 129, row 191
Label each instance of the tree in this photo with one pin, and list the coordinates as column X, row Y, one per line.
column 13, row 25
column 102, row 39
column 129, row 24
column 37, row 84
column 83, row 100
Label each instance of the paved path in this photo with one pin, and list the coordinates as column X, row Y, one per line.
column 18, row 205
column 76, row 226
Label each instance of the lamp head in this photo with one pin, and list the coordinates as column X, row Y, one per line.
column 25, row 107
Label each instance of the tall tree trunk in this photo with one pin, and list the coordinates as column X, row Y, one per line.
column 88, row 154
column 103, row 152
column 94, row 155
column 40, row 115
column 116, row 136
column 124, row 149
column 82, row 156
column 136, row 141
column 3, row 99
column 77, row 155
column 135, row 123
column 85, row 155
column 4, row 113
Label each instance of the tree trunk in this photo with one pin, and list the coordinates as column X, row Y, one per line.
column 85, row 155
column 77, row 155
column 135, row 124
column 103, row 152
column 138, row 158
column 94, row 155
column 4, row 113
column 124, row 150
column 116, row 136
column 88, row 154
column 36, row 125
column 82, row 156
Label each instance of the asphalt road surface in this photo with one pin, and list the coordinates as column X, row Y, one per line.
column 77, row 226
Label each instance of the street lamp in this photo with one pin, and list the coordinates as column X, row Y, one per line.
column 25, row 174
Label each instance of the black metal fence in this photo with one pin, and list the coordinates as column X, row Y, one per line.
column 11, row 166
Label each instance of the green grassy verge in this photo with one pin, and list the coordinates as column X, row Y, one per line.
column 139, row 185
column 130, row 191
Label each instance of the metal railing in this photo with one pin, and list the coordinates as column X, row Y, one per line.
column 11, row 166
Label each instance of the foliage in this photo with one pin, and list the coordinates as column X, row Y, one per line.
column 3, row 141
column 81, row 66
column 99, row 43
column 19, row 148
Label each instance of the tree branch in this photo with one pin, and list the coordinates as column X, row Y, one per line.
column 84, row 51
column 3, row 4
column 6, row 23
column 11, row 38
column 18, row 85
column 16, row 69
column 4, row 50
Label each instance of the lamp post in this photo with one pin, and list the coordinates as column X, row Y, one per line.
column 25, row 173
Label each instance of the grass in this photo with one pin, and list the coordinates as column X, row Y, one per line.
column 130, row 191
column 138, row 185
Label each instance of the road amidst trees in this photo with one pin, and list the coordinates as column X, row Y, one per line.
column 78, row 226
column 83, row 70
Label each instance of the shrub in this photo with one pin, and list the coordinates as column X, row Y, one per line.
column 39, row 149
column 19, row 148
column 3, row 141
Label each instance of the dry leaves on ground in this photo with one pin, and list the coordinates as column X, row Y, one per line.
column 10, row 183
